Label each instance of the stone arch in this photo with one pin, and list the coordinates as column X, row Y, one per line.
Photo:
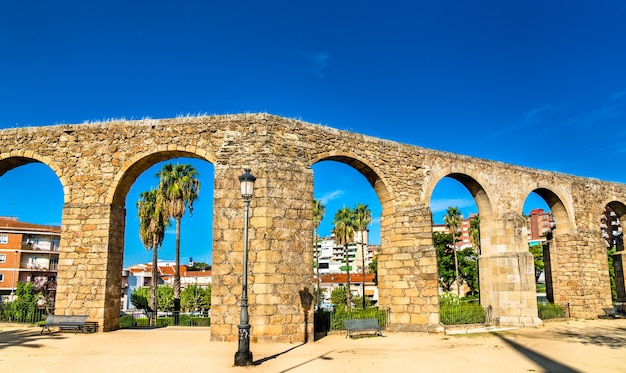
column 131, row 169
column 473, row 182
column 365, row 168
column 619, row 208
column 16, row 158
column 563, row 214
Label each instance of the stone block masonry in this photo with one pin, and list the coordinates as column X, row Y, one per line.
column 98, row 163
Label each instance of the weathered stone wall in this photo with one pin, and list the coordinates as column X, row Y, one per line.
column 98, row 163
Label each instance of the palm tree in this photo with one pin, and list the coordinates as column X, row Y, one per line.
column 452, row 219
column 362, row 218
column 344, row 235
column 179, row 186
column 318, row 214
column 474, row 233
column 152, row 223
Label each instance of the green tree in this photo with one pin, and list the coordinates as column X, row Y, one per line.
column 344, row 235
column 362, row 217
column 165, row 296
column 339, row 295
column 468, row 268
column 474, row 233
column 152, row 223
column 445, row 259
column 199, row 266
column 318, row 214
column 140, row 298
column 180, row 187
column 24, row 307
column 537, row 252
column 195, row 297
column 452, row 219
column 373, row 268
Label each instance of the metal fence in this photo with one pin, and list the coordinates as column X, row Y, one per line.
column 326, row 320
column 23, row 316
column 464, row 313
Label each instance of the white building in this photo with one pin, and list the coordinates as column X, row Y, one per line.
column 332, row 257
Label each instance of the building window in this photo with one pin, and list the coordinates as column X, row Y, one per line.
column 4, row 238
column 1, row 277
column 3, row 258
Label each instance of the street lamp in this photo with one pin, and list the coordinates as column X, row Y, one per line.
column 243, row 357
column 14, row 273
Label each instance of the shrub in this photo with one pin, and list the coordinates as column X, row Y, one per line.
column 550, row 311
column 462, row 313
column 127, row 321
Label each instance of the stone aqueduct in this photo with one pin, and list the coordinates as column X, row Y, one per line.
column 97, row 164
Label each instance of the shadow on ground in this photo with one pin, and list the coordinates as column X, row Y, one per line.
column 609, row 337
column 543, row 361
column 24, row 338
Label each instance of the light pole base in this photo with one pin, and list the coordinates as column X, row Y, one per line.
column 243, row 358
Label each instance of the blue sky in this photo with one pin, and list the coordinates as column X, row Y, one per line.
column 533, row 83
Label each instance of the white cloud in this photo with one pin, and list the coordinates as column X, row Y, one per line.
column 439, row 205
column 335, row 194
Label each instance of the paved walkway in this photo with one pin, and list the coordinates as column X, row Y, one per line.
column 566, row 346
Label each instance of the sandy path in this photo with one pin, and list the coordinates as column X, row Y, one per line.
column 569, row 346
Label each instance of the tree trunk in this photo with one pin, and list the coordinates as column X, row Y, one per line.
column 177, row 275
column 348, row 292
column 456, row 269
column 153, row 288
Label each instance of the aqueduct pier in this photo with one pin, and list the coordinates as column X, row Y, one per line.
column 97, row 164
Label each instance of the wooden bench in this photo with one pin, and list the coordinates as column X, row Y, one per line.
column 69, row 322
column 361, row 325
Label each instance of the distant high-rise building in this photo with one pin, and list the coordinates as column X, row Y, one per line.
column 539, row 223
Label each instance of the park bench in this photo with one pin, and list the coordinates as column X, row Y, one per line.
column 615, row 312
column 69, row 322
column 361, row 325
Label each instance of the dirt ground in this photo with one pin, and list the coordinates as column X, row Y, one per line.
column 561, row 346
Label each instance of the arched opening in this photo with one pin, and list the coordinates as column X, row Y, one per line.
column 195, row 255
column 547, row 221
column 611, row 220
column 31, row 200
column 540, row 223
column 345, row 184
column 455, row 217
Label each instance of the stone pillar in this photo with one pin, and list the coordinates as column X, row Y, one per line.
column 507, row 272
column 90, row 263
column 579, row 273
column 407, row 271
column 280, row 257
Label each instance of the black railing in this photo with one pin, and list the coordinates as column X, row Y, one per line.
column 464, row 313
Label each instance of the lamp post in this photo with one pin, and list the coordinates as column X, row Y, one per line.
column 243, row 357
column 14, row 275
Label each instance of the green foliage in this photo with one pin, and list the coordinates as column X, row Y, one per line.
column 342, row 313
column 165, row 298
column 537, row 252
column 466, row 258
column 462, row 313
column 24, row 307
column 373, row 268
column 610, row 254
column 550, row 311
column 127, row 321
column 195, row 297
column 199, row 266
column 338, row 296
column 449, row 299
column 445, row 259
column 140, row 298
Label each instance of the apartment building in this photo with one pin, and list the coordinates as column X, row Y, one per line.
column 612, row 230
column 332, row 257
column 140, row 275
column 28, row 253
column 539, row 223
